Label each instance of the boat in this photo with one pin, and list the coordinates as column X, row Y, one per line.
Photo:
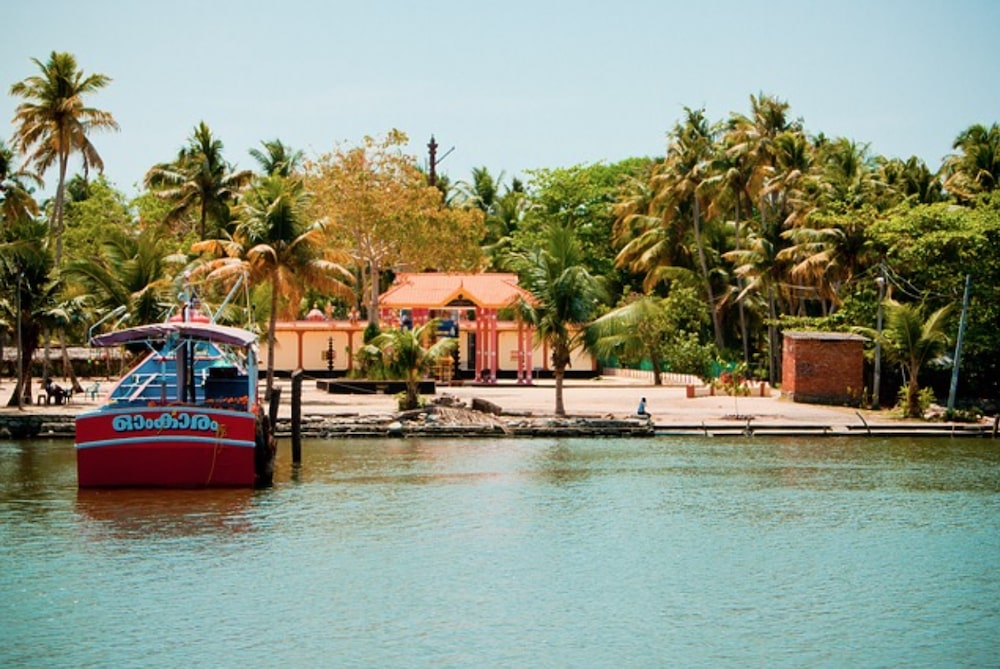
column 187, row 415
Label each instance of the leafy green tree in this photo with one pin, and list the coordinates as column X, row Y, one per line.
column 27, row 271
column 929, row 250
column 582, row 197
column 54, row 121
column 565, row 296
column 381, row 211
column 92, row 213
column 274, row 244
column 410, row 354
column 200, row 181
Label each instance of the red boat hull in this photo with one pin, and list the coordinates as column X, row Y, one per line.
column 165, row 447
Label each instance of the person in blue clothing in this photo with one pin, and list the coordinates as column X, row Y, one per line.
column 641, row 411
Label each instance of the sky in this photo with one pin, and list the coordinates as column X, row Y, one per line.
column 510, row 86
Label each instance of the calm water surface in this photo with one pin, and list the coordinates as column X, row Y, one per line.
column 516, row 553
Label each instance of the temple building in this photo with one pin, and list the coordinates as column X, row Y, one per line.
column 474, row 308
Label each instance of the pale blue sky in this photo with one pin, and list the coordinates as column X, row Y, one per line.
column 511, row 85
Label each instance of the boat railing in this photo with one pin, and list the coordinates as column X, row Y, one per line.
column 140, row 382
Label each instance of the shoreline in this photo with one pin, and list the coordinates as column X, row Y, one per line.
column 604, row 406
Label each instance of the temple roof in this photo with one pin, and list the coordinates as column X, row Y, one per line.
column 438, row 290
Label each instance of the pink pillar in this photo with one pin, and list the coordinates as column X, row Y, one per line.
column 479, row 343
column 495, row 346
column 529, row 340
column 520, row 352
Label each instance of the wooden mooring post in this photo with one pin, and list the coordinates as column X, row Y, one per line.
column 297, row 417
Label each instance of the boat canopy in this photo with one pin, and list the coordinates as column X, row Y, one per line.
column 221, row 334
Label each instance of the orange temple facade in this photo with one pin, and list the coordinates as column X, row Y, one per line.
column 468, row 307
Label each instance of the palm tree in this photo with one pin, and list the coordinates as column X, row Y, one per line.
column 405, row 356
column 564, row 297
column 16, row 199
column 911, row 338
column 732, row 172
column 199, row 180
column 273, row 244
column 130, row 270
column 53, row 122
column 758, row 263
column 907, row 180
column 680, row 191
column 633, row 331
column 753, row 137
column 976, row 169
column 277, row 159
column 646, row 246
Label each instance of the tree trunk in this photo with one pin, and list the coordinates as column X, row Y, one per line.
column 657, row 367
column 201, row 221
column 558, row 372
column 68, row 370
column 412, row 394
column 913, row 392
column 772, row 337
column 373, row 304
column 56, row 227
column 739, row 288
column 716, row 325
column 23, row 386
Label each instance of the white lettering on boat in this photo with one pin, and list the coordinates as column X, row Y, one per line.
column 181, row 420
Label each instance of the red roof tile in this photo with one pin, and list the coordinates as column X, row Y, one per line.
column 437, row 289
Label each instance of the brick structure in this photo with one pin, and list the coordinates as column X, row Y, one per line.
column 823, row 367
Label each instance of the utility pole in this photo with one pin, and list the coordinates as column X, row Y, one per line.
column 880, row 280
column 953, row 388
column 20, row 345
column 432, row 148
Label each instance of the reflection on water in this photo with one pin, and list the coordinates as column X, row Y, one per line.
column 639, row 552
column 139, row 514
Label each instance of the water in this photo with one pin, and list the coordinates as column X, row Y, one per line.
column 511, row 553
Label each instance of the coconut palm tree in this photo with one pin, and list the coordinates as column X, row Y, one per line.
column 130, row 270
column 409, row 354
column 16, row 199
column 911, row 338
column 274, row 245
column 564, row 297
column 633, row 331
column 26, row 268
column 681, row 194
column 277, row 159
column 199, row 180
column 54, row 121
column 646, row 246
column 731, row 175
column 759, row 265
column 976, row 168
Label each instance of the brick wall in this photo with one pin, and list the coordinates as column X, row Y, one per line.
column 823, row 367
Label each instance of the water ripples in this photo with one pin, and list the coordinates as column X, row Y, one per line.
column 516, row 553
